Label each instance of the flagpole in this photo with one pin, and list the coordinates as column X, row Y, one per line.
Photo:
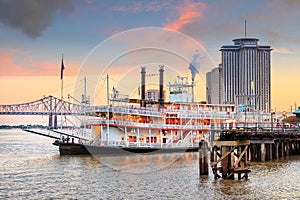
column 61, row 97
column 62, row 88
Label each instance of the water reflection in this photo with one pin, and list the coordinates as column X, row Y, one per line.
column 32, row 169
column 144, row 163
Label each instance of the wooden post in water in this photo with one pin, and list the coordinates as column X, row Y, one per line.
column 270, row 151
column 287, row 147
column 282, row 148
column 276, row 149
column 203, row 158
column 233, row 158
column 263, row 152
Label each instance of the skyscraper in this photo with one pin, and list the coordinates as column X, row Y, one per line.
column 214, row 86
column 246, row 73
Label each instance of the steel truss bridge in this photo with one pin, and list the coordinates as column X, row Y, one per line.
column 49, row 105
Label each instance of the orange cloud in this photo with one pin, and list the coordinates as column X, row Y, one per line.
column 282, row 50
column 188, row 13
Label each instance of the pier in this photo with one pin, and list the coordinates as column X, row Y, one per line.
column 234, row 150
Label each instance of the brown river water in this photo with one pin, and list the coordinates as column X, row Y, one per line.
column 31, row 168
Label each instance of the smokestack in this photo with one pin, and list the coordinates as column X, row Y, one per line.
column 161, row 86
column 143, row 86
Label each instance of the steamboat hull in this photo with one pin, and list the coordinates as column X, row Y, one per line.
column 80, row 149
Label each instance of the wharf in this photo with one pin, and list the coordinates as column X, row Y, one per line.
column 234, row 150
column 265, row 145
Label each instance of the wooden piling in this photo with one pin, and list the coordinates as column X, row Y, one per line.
column 271, row 151
column 234, row 148
column 276, row 150
column 263, row 152
column 282, row 149
column 232, row 159
column 203, row 158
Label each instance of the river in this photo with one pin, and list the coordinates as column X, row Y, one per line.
column 31, row 168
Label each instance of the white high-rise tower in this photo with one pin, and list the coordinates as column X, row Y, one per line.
column 246, row 73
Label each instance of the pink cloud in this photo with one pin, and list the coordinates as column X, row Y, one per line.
column 282, row 50
column 188, row 12
column 16, row 63
column 8, row 67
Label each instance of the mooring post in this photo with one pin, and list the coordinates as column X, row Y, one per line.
column 203, row 158
column 239, row 152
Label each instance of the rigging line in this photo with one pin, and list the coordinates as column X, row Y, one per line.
column 118, row 83
column 98, row 89
column 57, row 90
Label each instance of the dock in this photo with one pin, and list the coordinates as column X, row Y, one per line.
column 233, row 152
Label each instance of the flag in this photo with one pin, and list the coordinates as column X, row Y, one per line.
column 62, row 68
column 252, row 85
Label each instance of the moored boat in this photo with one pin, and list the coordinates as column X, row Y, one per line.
column 151, row 124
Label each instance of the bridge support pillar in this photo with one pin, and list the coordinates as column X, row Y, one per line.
column 55, row 121
column 50, row 124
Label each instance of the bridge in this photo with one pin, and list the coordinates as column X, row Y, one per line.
column 48, row 105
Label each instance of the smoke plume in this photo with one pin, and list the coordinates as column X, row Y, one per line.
column 194, row 65
column 32, row 16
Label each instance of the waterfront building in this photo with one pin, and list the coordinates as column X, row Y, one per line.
column 214, row 86
column 246, row 73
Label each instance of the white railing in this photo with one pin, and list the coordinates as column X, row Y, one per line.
column 140, row 144
column 182, row 113
column 147, row 125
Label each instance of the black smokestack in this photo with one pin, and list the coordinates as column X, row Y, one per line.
column 161, row 86
column 143, row 86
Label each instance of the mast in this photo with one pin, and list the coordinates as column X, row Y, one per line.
column 108, row 107
column 84, row 101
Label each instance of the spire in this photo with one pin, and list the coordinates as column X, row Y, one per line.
column 245, row 28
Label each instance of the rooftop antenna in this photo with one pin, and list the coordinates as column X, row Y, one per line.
column 245, row 28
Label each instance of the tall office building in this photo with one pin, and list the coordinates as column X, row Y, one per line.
column 246, row 73
column 214, row 86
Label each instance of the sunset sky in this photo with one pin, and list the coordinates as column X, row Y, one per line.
column 115, row 36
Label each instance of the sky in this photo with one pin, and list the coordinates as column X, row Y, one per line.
column 117, row 37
